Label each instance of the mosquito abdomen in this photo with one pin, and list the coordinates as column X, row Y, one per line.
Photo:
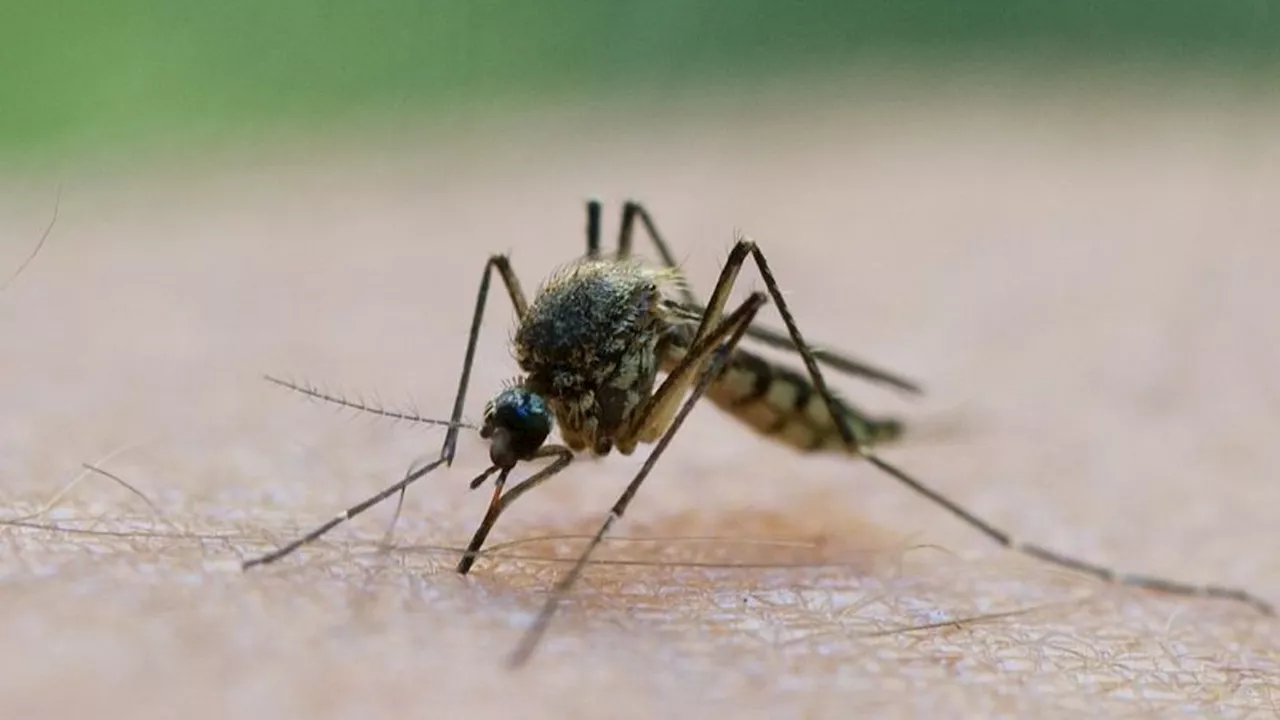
column 783, row 404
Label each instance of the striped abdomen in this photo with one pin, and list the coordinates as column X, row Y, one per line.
column 783, row 404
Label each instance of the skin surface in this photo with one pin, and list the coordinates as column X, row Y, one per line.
column 1085, row 287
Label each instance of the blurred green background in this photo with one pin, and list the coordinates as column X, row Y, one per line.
column 79, row 76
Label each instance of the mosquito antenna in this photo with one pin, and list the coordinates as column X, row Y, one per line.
column 374, row 408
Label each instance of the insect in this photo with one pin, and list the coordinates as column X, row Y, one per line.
column 591, row 344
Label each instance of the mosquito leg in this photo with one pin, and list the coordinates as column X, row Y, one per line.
column 716, row 347
column 773, row 338
column 666, row 400
column 837, row 361
column 746, row 247
column 315, row 393
column 342, row 517
column 593, row 229
column 503, row 265
column 632, row 211
column 490, row 517
column 501, row 502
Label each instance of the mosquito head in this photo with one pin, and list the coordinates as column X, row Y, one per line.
column 516, row 423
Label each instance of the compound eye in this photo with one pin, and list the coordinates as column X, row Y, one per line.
column 534, row 422
column 523, row 419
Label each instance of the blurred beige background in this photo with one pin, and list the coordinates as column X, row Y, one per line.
column 1083, row 283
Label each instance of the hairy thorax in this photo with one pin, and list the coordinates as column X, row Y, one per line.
column 590, row 346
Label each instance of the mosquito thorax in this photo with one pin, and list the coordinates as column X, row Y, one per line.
column 588, row 345
column 517, row 422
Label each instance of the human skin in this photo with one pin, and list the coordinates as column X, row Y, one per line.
column 1085, row 289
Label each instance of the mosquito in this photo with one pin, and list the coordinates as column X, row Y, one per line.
column 590, row 346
